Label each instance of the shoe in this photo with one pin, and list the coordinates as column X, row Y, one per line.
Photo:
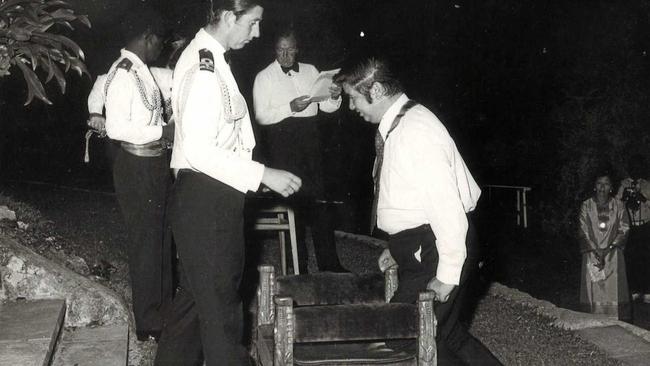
column 635, row 296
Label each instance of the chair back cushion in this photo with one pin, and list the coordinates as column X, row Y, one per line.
column 332, row 288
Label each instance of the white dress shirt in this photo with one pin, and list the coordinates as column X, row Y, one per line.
column 128, row 118
column 424, row 180
column 213, row 129
column 273, row 90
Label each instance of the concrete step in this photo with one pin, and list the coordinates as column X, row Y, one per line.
column 97, row 346
column 29, row 331
column 619, row 344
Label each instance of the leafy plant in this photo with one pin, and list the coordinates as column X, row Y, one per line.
column 29, row 41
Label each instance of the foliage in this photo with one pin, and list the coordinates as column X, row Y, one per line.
column 29, row 40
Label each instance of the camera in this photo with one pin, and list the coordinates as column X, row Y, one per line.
column 632, row 197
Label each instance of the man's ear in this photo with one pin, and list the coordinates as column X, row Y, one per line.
column 147, row 36
column 229, row 17
column 377, row 91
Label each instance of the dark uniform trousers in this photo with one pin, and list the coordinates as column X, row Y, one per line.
column 142, row 185
column 294, row 145
column 637, row 258
column 456, row 346
column 205, row 320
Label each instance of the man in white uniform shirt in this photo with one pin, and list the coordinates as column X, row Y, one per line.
column 424, row 192
column 212, row 157
column 289, row 120
column 141, row 176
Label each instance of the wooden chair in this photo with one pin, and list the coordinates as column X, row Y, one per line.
column 340, row 319
column 281, row 218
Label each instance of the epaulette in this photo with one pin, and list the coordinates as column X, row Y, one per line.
column 206, row 60
column 125, row 64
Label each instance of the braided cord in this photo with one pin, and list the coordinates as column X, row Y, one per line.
column 154, row 106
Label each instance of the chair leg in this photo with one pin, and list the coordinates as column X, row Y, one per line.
column 283, row 332
column 282, row 238
column 427, row 351
column 294, row 240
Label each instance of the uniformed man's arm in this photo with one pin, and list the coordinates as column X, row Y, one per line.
column 202, row 118
column 267, row 113
column 122, row 123
column 96, row 96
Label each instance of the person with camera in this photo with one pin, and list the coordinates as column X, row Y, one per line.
column 603, row 229
column 633, row 192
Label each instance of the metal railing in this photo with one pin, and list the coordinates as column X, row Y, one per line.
column 521, row 205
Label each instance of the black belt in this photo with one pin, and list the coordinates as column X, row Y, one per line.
column 152, row 149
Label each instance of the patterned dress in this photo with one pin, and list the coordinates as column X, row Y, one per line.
column 604, row 288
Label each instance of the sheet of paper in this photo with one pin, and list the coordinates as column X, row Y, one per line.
column 320, row 90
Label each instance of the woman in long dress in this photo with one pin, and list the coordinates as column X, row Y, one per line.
column 603, row 231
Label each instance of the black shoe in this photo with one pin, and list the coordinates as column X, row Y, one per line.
column 151, row 335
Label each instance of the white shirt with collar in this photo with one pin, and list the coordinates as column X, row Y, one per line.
column 127, row 117
column 213, row 128
column 274, row 89
column 424, row 180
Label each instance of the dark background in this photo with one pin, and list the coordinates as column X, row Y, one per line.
column 535, row 93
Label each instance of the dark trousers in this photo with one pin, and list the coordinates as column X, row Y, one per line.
column 637, row 259
column 205, row 319
column 455, row 344
column 294, row 145
column 141, row 185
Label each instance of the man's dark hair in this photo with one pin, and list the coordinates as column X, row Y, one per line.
column 238, row 7
column 142, row 19
column 363, row 75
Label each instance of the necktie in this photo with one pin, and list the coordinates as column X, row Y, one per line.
column 379, row 160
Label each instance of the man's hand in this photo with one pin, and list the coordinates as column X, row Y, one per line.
column 335, row 91
column 386, row 260
column 97, row 122
column 441, row 289
column 299, row 104
column 281, row 181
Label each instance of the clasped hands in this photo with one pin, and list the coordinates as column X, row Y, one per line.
column 601, row 254
column 441, row 290
column 97, row 123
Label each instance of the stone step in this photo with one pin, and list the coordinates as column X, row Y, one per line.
column 30, row 329
column 619, row 344
column 96, row 346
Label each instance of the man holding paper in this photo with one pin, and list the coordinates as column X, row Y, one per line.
column 287, row 96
